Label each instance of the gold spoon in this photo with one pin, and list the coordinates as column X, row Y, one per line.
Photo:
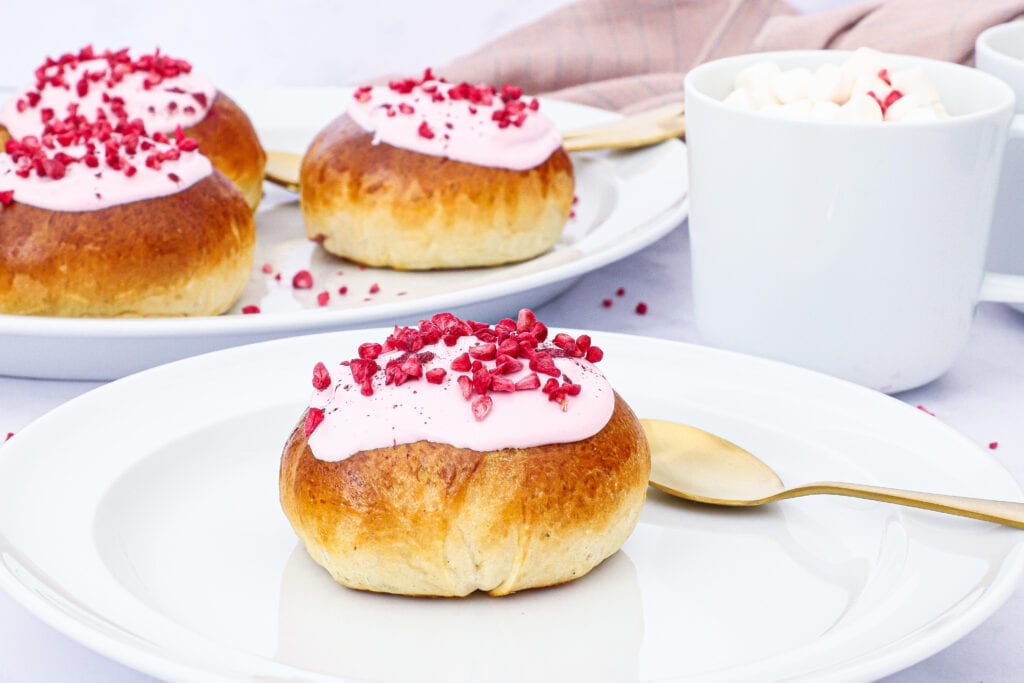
column 639, row 130
column 695, row 465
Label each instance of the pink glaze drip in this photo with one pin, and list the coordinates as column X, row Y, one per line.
column 179, row 101
column 418, row 410
column 457, row 132
column 88, row 189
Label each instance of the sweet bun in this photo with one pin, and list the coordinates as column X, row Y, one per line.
column 536, row 489
column 99, row 220
column 158, row 90
column 425, row 174
column 189, row 253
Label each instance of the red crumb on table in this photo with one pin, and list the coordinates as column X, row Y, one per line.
column 621, row 291
column 250, row 309
column 641, row 308
column 374, row 288
column 302, row 280
column 9, row 435
column 925, row 410
column 322, row 298
column 267, row 268
column 607, row 303
column 343, row 290
column 992, row 445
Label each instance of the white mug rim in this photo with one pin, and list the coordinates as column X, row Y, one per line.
column 983, row 43
column 1007, row 102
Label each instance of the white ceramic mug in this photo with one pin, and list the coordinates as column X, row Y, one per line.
column 999, row 51
column 856, row 249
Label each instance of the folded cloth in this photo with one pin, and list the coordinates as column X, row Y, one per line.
column 628, row 55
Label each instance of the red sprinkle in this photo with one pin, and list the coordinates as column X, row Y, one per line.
column 314, row 416
column 302, row 280
column 250, row 309
column 321, row 377
column 607, row 303
column 621, row 291
column 374, row 288
column 992, row 445
column 641, row 308
column 923, row 409
column 343, row 290
column 322, row 298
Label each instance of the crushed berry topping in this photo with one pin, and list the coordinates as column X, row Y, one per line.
column 250, row 309
column 96, row 144
column 509, row 107
column 156, row 66
column 485, row 368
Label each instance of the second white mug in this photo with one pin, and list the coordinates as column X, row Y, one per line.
column 856, row 249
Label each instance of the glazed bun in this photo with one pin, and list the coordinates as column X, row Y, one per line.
column 405, row 476
column 429, row 185
column 228, row 139
column 429, row 519
column 184, row 254
column 160, row 91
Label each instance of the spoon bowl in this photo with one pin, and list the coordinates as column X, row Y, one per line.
column 691, row 463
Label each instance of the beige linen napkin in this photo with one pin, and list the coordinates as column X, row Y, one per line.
column 632, row 54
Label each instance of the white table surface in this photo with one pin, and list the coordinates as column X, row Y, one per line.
column 981, row 396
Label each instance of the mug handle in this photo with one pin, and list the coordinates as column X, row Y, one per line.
column 1003, row 287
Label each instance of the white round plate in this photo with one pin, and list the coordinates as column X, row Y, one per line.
column 626, row 201
column 142, row 519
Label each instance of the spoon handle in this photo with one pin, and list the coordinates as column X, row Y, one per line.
column 998, row 511
column 638, row 130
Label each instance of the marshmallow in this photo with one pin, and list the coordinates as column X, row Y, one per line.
column 860, row 109
column 913, row 81
column 757, row 74
column 854, row 91
column 791, row 86
column 866, row 83
column 739, row 99
column 829, row 84
column 864, row 62
column 824, row 111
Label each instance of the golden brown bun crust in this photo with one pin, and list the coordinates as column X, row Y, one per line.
column 189, row 253
column 386, row 206
column 430, row 519
column 227, row 138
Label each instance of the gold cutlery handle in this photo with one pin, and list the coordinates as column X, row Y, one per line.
column 638, row 130
column 998, row 511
